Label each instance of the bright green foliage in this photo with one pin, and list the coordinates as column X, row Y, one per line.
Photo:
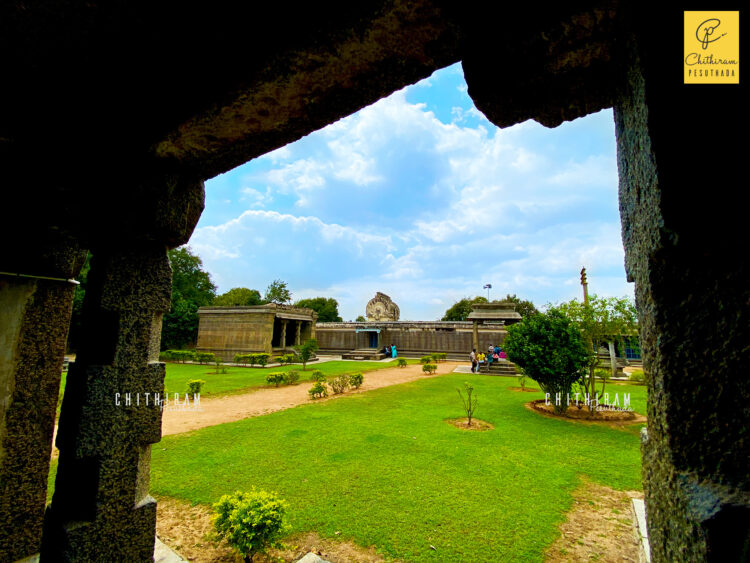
column 425, row 360
column 401, row 362
column 550, row 350
column 238, row 297
column 204, row 357
column 429, row 368
column 251, row 522
column 219, row 365
column 307, row 351
column 318, row 375
column 181, row 356
column 604, row 319
column 194, row 386
column 260, row 359
column 318, row 390
column 326, row 307
column 523, row 307
column 191, row 288
column 460, row 310
column 360, row 319
column 638, row 376
column 275, row 378
column 291, row 377
column 339, row 384
column 252, row 359
column 286, row 359
column 438, row 357
column 277, row 292
column 356, row 380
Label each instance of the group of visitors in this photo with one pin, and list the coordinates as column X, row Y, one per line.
column 390, row 351
column 494, row 354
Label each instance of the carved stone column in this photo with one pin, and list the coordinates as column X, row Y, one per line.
column 101, row 509
column 475, row 336
column 283, row 333
column 34, row 319
column 297, row 335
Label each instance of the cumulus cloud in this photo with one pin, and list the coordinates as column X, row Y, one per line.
column 428, row 206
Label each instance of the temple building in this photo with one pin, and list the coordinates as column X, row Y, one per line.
column 271, row 329
column 366, row 340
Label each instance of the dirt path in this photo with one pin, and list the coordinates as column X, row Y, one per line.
column 264, row 401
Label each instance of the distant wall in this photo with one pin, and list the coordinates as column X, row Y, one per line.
column 410, row 338
column 234, row 332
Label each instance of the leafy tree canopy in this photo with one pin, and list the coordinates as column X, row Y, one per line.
column 277, row 292
column 523, row 306
column 360, row 319
column 326, row 307
column 605, row 318
column 239, row 297
column 460, row 310
column 191, row 288
column 550, row 349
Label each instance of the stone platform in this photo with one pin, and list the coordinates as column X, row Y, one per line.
column 363, row 354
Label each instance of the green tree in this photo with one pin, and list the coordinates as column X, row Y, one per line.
column 360, row 319
column 191, row 288
column 277, row 292
column 238, row 297
column 306, row 351
column 326, row 307
column 604, row 320
column 524, row 307
column 551, row 350
column 460, row 310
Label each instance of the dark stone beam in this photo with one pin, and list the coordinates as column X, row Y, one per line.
column 306, row 89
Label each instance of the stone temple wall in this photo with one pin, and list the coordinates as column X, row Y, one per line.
column 228, row 333
column 455, row 339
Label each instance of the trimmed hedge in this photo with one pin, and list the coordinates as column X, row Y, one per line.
column 252, row 359
column 429, row 368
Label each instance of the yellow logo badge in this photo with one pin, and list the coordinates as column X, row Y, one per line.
column 712, row 47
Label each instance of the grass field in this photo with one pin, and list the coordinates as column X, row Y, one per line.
column 384, row 469
column 244, row 379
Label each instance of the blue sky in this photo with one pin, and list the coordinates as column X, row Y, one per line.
column 421, row 197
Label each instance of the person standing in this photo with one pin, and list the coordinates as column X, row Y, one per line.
column 394, row 352
column 473, row 358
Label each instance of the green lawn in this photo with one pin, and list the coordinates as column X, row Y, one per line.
column 384, row 469
column 243, row 379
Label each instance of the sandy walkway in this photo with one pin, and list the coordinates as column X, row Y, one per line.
column 264, row 401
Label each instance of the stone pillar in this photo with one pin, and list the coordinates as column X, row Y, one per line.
column 101, row 510
column 34, row 320
column 475, row 336
column 681, row 220
column 297, row 335
column 283, row 333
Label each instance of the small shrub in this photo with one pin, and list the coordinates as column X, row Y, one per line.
column 429, row 368
column 442, row 356
column 181, row 356
column 356, row 380
column 165, row 356
column 522, row 380
column 220, row 367
column 276, row 378
column 425, row 360
column 204, row 357
column 318, row 375
column 638, row 376
column 318, row 390
column 291, row 377
column 279, row 360
column 194, row 386
column 402, row 362
column 601, row 373
column 250, row 522
column 339, row 384
column 262, row 359
column 241, row 358
column 291, row 358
